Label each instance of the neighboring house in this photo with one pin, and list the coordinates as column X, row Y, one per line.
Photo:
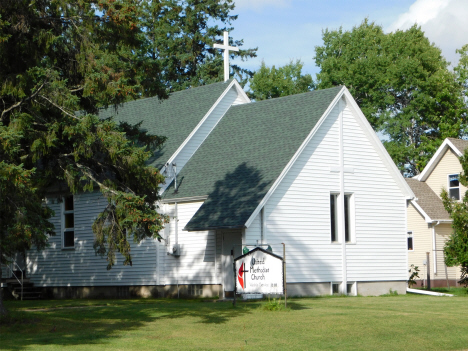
column 429, row 224
column 306, row 170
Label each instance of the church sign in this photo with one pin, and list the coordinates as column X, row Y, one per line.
column 259, row 272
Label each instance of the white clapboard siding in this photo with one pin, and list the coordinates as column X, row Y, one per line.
column 254, row 231
column 196, row 263
column 298, row 211
column 380, row 210
column 443, row 232
column 205, row 129
column 81, row 266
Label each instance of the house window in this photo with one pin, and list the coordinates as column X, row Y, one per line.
column 454, row 186
column 410, row 241
column 348, row 216
column 68, row 220
column 334, row 217
column 335, row 288
column 350, row 289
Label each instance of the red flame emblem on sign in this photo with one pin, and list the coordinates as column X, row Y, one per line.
column 240, row 275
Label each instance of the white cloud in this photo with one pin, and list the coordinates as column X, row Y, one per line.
column 443, row 21
column 259, row 4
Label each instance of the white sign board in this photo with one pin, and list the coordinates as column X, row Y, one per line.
column 259, row 272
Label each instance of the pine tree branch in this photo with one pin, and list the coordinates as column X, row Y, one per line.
column 19, row 103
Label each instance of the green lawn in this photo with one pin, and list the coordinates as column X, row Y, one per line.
column 405, row 322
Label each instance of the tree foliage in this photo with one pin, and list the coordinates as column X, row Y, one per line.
column 58, row 57
column 268, row 83
column 181, row 34
column 401, row 83
column 456, row 248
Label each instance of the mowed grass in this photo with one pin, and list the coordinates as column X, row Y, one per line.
column 405, row 322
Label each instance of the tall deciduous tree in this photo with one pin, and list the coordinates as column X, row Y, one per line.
column 275, row 82
column 402, row 84
column 456, row 248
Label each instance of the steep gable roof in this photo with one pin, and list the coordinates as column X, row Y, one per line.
column 458, row 146
column 175, row 117
column 244, row 155
column 428, row 201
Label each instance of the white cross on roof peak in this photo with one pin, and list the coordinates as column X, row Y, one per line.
column 225, row 46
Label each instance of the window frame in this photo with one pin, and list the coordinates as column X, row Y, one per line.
column 350, row 223
column 64, row 229
column 334, row 222
column 409, row 234
column 454, row 187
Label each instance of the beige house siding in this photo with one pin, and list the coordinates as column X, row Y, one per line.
column 422, row 239
column 448, row 164
column 443, row 232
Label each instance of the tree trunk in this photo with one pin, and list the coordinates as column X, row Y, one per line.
column 3, row 310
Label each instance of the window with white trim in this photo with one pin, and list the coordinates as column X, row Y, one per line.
column 349, row 218
column 454, row 186
column 334, row 217
column 68, row 220
column 335, row 288
column 351, row 288
column 410, row 241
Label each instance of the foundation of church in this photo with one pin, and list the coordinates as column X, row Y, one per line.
column 126, row 292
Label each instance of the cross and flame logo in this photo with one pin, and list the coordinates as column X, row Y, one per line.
column 240, row 275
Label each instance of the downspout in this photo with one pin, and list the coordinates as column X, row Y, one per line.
column 434, row 248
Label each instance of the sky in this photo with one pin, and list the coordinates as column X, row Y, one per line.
column 285, row 30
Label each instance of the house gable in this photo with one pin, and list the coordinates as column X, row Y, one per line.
column 244, row 155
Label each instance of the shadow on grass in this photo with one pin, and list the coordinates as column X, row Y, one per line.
column 97, row 324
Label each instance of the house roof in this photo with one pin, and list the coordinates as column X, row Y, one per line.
column 244, row 155
column 428, row 201
column 460, row 144
column 175, row 117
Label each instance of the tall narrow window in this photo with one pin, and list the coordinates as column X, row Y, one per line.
column 410, row 241
column 454, row 186
column 347, row 214
column 334, row 217
column 68, row 222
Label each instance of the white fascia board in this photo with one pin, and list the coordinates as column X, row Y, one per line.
column 221, row 97
column 422, row 212
column 436, row 158
column 185, row 199
column 294, row 158
column 378, row 146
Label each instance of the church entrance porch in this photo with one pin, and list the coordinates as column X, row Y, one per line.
column 231, row 242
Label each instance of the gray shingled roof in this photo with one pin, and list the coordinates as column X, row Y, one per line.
column 428, row 200
column 174, row 117
column 243, row 156
column 460, row 144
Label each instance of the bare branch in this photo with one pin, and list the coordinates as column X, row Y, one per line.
column 59, row 107
column 87, row 172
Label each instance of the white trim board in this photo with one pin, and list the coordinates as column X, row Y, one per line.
column 436, row 158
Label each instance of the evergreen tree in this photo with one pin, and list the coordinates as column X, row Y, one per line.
column 179, row 34
column 402, row 84
column 58, row 57
column 275, row 82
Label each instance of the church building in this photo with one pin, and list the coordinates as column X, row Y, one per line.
column 306, row 170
